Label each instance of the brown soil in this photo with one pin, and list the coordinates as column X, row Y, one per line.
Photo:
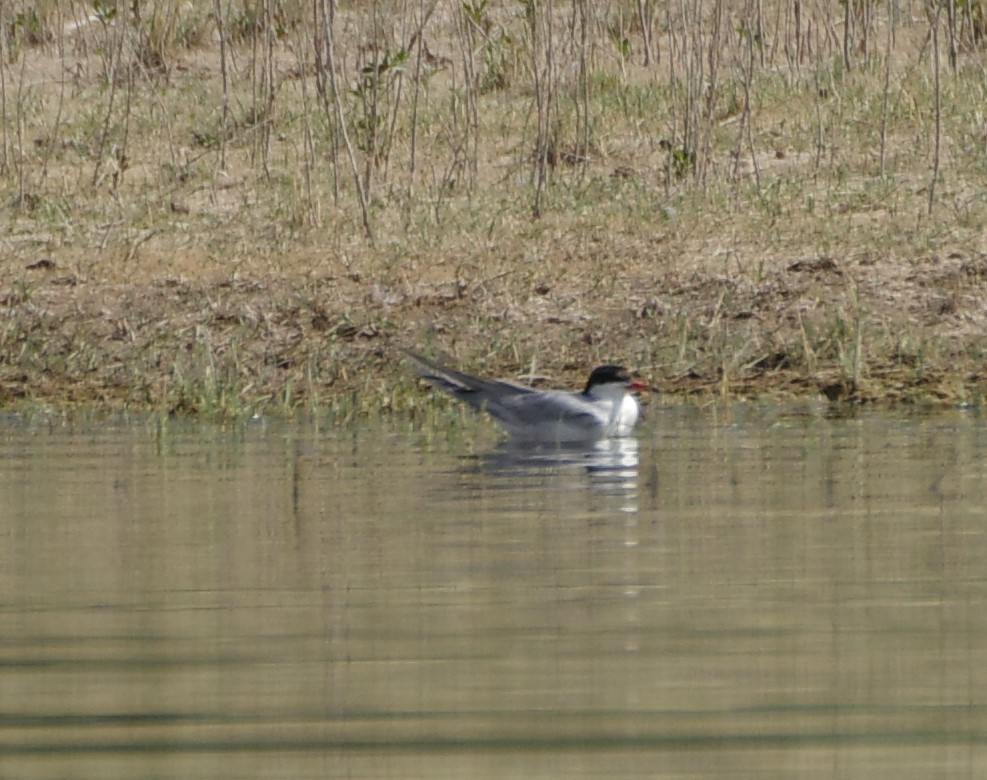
column 228, row 290
column 262, row 337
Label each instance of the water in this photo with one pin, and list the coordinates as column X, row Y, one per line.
column 753, row 594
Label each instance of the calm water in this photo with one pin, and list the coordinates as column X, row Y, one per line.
column 752, row 594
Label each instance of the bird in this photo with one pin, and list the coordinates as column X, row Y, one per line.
column 603, row 409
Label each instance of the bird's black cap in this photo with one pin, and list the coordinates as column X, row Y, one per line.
column 603, row 375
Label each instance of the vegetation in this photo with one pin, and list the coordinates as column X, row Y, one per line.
column 229, row 206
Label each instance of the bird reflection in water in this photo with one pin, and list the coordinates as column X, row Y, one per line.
column 611, row 465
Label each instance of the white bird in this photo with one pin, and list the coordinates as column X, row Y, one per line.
column 603, row 409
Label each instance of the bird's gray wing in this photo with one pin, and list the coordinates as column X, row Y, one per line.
column 554, row 407
column 522, row 410
column 473, row 390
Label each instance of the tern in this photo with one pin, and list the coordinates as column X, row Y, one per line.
column 603, row 409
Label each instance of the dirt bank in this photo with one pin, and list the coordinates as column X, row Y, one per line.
column 176, row 238
column 857, row 328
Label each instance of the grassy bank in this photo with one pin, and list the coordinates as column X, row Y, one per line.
column 227, row 207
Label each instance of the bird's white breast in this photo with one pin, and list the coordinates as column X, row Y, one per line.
column 628, row 415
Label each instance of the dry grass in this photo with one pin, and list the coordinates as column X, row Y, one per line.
column 209, row 208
